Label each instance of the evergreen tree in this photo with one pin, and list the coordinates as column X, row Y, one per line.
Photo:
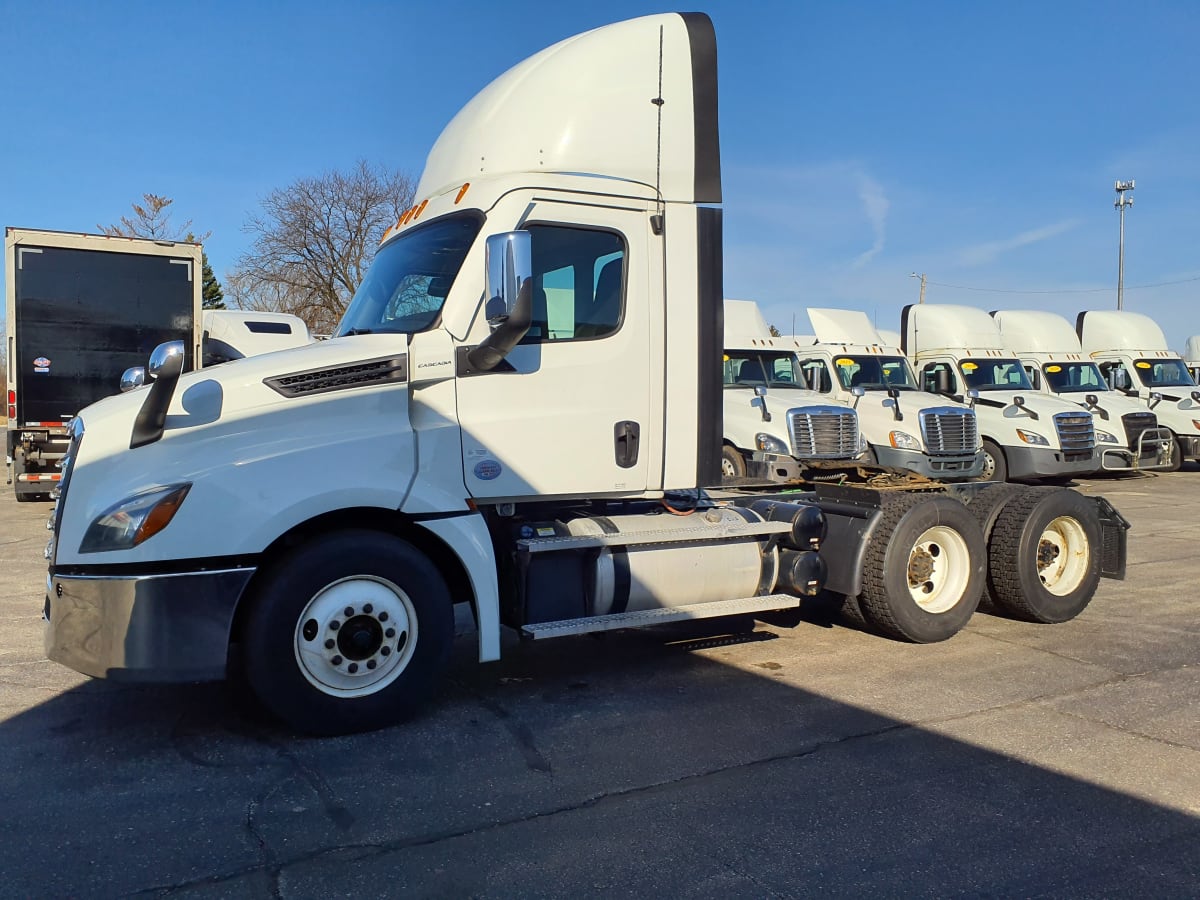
column 213, row 296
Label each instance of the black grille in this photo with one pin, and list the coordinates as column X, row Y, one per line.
column 823, row 432
column 318, row 381
column 1135, row 424
column 1076, row 435
column 949, row 430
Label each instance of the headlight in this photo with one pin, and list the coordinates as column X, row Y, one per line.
column 903, row 441
column 1196, row 422
column 134, row 519
column 1032, row 437
column 1105, row 438
column 769, row 444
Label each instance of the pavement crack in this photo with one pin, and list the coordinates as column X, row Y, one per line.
column 520, row 732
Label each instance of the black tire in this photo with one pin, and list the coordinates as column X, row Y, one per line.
column 1176, row 462
column 985, row 505
column 23, row 497
column 1044, row 555
column 995, row 468
column 935, row 541
column 363, row 614
column 733, row 464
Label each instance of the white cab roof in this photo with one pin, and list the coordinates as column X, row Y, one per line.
column 1192, row 351
column 1113, row 329
column 1034, row 331
column 843, row 326
column 936, row 326
column 744, row 324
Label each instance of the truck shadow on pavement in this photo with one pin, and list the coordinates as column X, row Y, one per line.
column 680, row 760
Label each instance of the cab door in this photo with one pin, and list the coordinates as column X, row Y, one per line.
column 568, row 412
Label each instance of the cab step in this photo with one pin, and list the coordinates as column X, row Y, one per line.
column 634, row 538
column 647, row 617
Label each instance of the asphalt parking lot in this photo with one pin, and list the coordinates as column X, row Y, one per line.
column 803, row 758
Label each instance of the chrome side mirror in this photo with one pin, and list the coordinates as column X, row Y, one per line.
column 167, row 359
column 509, row 267
column 133, row 377
column 1155, row 399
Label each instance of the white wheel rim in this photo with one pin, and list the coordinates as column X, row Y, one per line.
column 355, row 636
column 989, row 466
column 1063, row 554
column 939, row 566
column 727, row 468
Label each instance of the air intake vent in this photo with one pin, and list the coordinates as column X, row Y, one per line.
column 1076, row 434
column 339, row 378
column 948, row 429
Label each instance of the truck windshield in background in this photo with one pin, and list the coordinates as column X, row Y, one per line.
column 1163, row 373
column 875, row 373
column 1071, row 378
column 410, row 277
column 752, row 367
column 995, row 375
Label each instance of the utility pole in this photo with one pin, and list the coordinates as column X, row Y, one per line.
column 1122, row 201
column 922, row 277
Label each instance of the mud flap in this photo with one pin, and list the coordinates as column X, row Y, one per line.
column 1113, row 539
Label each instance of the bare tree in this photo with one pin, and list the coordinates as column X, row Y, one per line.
column 153, row 221
column 314, row 240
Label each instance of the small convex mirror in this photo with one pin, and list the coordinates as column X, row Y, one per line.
column 167, row 359
column 133, row 377
column 509, row 266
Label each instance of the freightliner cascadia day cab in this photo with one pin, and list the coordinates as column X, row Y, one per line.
column 775, row 428
column 528, row 382
column 958, row 352
column 1127, row 434
column 1131, row 351
column 906, row 428
column 80, row 309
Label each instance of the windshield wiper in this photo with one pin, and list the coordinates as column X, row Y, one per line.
column 354, row 331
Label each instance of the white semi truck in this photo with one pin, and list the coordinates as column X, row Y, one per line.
column 1191, row 356
column 551, row 479
column 907, row 428
column 775, row 429
column 1128, row 435
column 958, row 352
column 230, row 334
column 1131, row 351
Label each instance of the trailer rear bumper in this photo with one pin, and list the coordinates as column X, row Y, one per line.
column 150, row 628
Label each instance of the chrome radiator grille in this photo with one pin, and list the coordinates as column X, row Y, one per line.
column 1076, row 434
column 823, row 432
column 946, row 429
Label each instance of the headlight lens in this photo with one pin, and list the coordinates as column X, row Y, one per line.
column 134, row 520
column 903, row 441
column 1032, row 437
column 1105, row 438
column 769, row 444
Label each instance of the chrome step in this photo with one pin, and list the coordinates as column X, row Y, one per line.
column 631, row 538
column 645, row 617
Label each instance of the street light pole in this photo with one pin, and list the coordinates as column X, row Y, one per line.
column 922, row 277
column 1122, row 201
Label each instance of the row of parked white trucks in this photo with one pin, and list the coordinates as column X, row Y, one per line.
column 960, row 394
column 521, row 412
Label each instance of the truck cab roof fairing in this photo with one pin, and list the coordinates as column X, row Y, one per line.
column 588, row 104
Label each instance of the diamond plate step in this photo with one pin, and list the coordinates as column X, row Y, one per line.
column 643, row 618
column 632, row 538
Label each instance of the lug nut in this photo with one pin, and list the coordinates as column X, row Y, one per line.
column 370, row 663
column 368, row 609
column 349, row 611
column 330, row 644
column 352, row 668
column 335, row 625
column 390, row 633
column 337, row 660
column 385, row 651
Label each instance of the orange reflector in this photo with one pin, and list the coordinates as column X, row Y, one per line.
column 162, row 514
column 462, row 192
column 471, row 505
column 420, row 209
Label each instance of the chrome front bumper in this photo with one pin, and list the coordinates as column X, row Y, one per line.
column 149, row 628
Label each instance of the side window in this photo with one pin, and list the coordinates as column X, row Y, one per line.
column 578, row 283
column 1035, row 377
column 783, row 370
column 816, row 375
column 932, row 374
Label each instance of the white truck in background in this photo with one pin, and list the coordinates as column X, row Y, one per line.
column 1128, row 435
column 958, row 352
column 555, row 481
column 229, row 334
column 1191, row 356
column 1131, row 351
column 906, row 428
column 775, row 429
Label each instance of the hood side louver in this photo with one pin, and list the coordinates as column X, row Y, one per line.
column 338, row 378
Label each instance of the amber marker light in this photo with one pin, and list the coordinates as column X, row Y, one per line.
column 462, row 192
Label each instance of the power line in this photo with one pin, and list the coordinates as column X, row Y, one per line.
column 1132, row 287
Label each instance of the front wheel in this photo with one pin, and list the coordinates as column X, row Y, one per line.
column 994, row 466
column 733, row 464
column 1175, row 463
column 923, row 569
column 348, row 632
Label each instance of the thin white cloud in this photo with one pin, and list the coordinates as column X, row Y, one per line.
column 979, row 254
column 875, row 205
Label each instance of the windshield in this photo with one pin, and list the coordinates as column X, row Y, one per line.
column 875, row 373
column 407, row 283
column 1157, row 373
column 995, row 375
column 1070, row 378
column 747, row 368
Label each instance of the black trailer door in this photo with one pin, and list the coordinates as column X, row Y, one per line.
column 84, row 316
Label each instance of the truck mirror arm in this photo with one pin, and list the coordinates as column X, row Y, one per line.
column 507, row 334
column 166, row 365
column 760, row 400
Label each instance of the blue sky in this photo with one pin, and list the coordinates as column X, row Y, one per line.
column 977, row 143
